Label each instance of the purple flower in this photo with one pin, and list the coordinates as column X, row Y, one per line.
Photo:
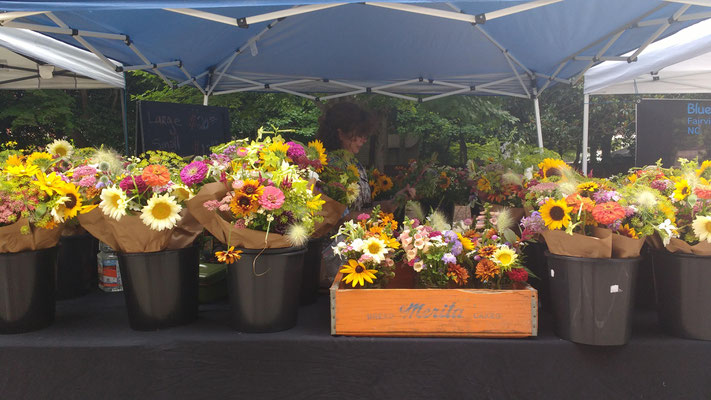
column 661, row 184
column 296, row 151
column 457, row 248
column 449, row 236
column 129, row 184
column 231, row 149
column 449, row 258
column 193, row 173
column 604, row 196
column 534, row 223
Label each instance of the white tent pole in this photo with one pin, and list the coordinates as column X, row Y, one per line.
column 205, row 100
column 539, row 131
column 9, row 16
column 705, row 3
column 246, row 21
column 586, row 117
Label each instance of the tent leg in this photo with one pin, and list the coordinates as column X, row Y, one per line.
column 586, row 117
column 205, row 100
column 124, row 117
column 538, row 122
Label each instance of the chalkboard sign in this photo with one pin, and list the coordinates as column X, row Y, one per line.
column 670, row 129
column 185, row 129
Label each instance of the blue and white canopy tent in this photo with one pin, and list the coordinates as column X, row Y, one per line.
column 416, row 50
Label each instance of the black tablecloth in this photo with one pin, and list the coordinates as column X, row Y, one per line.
column 90, row 353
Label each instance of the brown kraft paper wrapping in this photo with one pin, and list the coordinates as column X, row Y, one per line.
column 12, row 240
column 331, row 213
column 622, row 246
column 223, row 230
column 680, row 246
column 655, row 241
column 577, row 245
column 131, row 235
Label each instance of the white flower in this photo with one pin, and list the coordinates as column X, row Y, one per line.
column 418, row 266
column 60, row 148
column 528, row 173
column 375, row 248
column 113, row 202
column 161, row 212
column 668, row 229
column 357, row 244
column 702, row 228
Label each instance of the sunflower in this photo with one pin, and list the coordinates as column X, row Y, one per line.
column 278, row 147
column 161, row 212
column 552, row 167
column 385, row 183
column 353, row 170
column 628, row 231
column 483, row 184
column 375, row 248
column 505, row 256
column 466, row 242
column 228, row 256
column 14, row 160
column 703, row 167
column 60, row 148
column 681, row 190
column 252, row 188
column 243, row 205
column 444, row 180
column 702, row 227
column 39, row 158
column 70, row 204
column 317, row 146
column 357, row 273
column 113, row 202
column 556, row 214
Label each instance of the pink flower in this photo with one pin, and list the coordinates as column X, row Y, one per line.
column 193, row 173
column 242, row 152
column 211, row 205
column 272, row 198
column 87, row 181
column 237, row 185
column 363, row 217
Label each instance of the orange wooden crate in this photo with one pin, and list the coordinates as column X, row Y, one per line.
column 433, row 312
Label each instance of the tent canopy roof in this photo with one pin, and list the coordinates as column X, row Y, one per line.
column 399, row 48
column 680, row 63
column 23, row 53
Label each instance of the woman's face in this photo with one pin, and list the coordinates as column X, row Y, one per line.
column 351, row 142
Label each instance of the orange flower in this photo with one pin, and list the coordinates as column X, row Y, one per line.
column 156, row 175
column 575, row 200
column 459, row 275
column 487, row 251
column 243, row 205
column 229, row 256
column 486, row 270
column 607, row 213
column 702, row 193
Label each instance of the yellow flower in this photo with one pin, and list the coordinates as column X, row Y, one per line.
column 14, row 160
column 321, row 151
column 70, row 203
column 49, row 184
column 22, row 170
column 161, row 212
column 42, row 157
column 278, row 147
column 681, row 190
column 632, row 178
column 353, row 169
column 357, row 273
column 628, row 231
column 385, row 183
column 390, row 241
column 315, row 203
column 466, row 242
column 483, row 184
column 587, row 187
column 552, row 167
column 556, row 214
column 60, row 148
column 505, row 256
column 703, row 167
column 668, row 211
column 182, row 192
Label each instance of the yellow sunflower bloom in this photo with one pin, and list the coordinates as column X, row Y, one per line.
column 321, row 151
column 556, row 214
column 552, row 167
column 71, row 204
column 681, row 190
column 49, row 184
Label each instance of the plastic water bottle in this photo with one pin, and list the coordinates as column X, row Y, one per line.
column 109, row 274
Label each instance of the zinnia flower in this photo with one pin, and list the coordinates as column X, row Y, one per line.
column 487, row 251
column 459, row 275
column 486, row 270
column 296, row 151
column 131, row 183
column 702, row 193
column 228, row 256
column 607, row 213
column 161, row 212
column 272, row 198
column 518, row 275
column 193, row 173
column 156, row 175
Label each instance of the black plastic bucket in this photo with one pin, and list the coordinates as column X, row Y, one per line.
column 312, row 272
column 536, row 262
column 76, row 266
column 683, row 283
column 265, row 297
column 160, row 288
column 592, row 298
column 27, row 290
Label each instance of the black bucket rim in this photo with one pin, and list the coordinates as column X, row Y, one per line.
column 589, row 259
column 29, row 251
column 143, row 254
column 274, row 251
column 665, row 252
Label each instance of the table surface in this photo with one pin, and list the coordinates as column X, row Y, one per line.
column 91, row 351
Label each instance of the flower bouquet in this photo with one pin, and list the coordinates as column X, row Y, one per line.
column 33, row 205
column 369, row 249
column 263, row 208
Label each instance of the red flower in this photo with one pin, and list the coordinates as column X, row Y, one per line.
column 517, row 275
column 702, row 193
column 608, row 213
column 156, row 175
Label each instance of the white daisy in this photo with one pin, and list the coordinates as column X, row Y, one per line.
column 161, row 212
